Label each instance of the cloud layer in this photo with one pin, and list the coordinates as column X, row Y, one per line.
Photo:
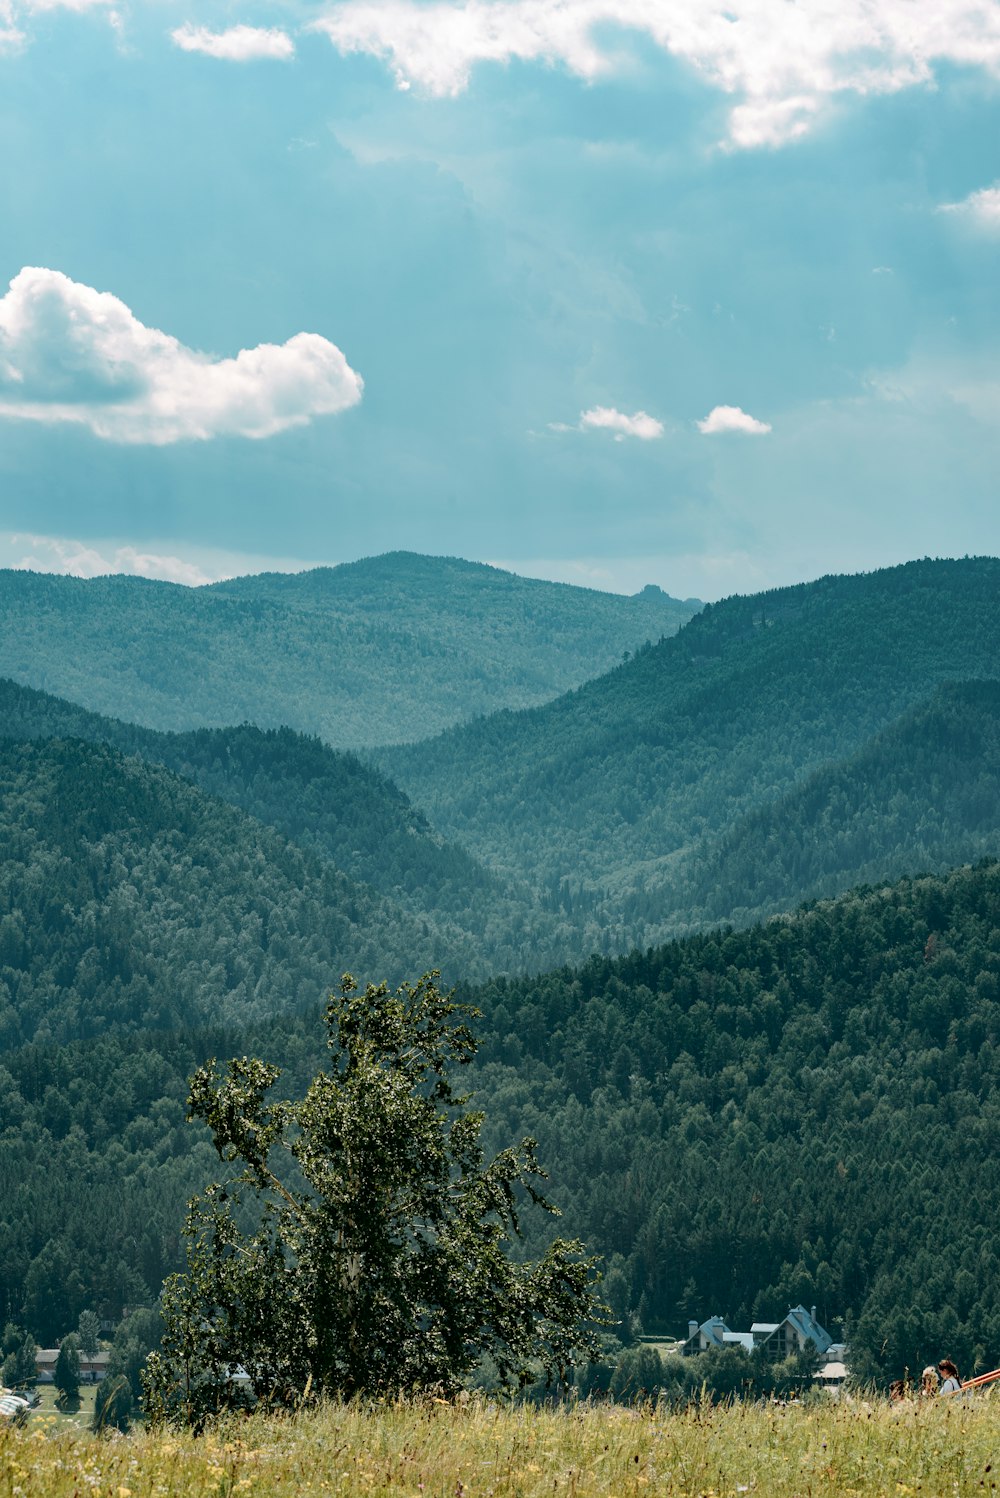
column 731, row 419
column 782, row 60
column 69, row 353
column 606, row 418
column 238, row 44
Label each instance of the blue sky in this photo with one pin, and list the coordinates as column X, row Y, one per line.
column 611, row 291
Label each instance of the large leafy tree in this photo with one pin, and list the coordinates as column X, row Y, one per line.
column 377, row 1260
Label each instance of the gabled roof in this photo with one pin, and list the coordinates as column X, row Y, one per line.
column 805, row 1323
column 715, row 1329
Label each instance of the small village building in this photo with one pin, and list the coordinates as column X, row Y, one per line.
column 711, row 1333
column 92, row 1370
column 832, row 1377
column 799, row 1332
column 776, row 1340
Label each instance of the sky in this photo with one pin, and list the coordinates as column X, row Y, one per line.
column 607, row 291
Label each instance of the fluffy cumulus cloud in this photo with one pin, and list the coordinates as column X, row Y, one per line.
column 69, row 353
column 981, row 208
column 606, row 418
column 778, row 59
column 731, row 419
column 238, row 44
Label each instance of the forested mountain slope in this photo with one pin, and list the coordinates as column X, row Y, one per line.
column 335, row 806
column 320, row 797
column 804, row 1111
column 380, row 651
column 611, row 783
column 130, row 900
column 924, row 794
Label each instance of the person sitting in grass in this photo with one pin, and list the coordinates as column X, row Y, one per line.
column 950, row 1381
column 929, row 1382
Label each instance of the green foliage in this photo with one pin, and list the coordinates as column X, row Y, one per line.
column 380, row 651
column 53, row 1292
column 114, row 1404
column 88, row 1331
column 67, row 1371
column 135, row 1338
column 379, row 1261
column 20, row 1369
column 801, row 1112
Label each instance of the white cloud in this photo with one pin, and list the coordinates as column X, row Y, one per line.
column 11, row 37
column 781, row 59
column 69, row 353
column 75, row 559
column 606, row 418
column 982, row 207
column 237, row 44
column 731, row 419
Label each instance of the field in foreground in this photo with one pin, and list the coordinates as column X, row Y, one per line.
column 442, row 1451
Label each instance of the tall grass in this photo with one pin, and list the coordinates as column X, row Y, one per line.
column 447, row 1451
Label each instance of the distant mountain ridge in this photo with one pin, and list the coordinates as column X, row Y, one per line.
column 385, row 650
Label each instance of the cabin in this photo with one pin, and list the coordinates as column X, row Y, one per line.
column 776, row 1340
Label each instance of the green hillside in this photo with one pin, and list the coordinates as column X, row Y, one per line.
column 319, row 797
column 341, row 810
column 379, row 651
column 923, row 794
column 803, row 1111
column 603, row 792
column 131, row 901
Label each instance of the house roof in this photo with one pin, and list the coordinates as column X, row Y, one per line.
column 805, row 1323
column 739, row 1339
column 51, row 1355
column 715, row 1329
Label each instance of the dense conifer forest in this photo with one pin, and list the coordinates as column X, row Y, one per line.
column 753, row 1115
column 803, row 1111
column 129, row 900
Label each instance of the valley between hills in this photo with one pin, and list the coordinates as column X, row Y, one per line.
column 720, row 880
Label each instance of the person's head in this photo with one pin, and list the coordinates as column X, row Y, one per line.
column 929, row 1377
column 947, row 1368
column 897, row 1389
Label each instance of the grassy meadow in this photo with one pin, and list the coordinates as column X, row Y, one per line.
column 439, row 1450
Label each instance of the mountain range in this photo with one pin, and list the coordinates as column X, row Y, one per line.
column 375, row 652
column 737, row 1115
